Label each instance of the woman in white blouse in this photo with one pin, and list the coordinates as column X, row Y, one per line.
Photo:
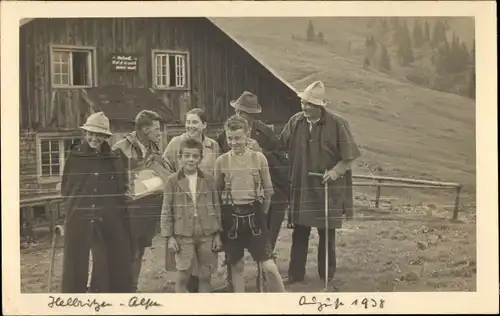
column 196, row 124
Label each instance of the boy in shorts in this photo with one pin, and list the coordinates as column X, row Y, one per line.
column 243, row 180
column 191, row 218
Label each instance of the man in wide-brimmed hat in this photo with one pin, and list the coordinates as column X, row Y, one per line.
column 93, row 192
column 317, row 141
column 263, row 138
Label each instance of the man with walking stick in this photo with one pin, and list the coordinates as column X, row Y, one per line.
column 318, row 142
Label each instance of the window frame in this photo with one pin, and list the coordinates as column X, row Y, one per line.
column 187, row 69
column 71, row 49
column 62, row 154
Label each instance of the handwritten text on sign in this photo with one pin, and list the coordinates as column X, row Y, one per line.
column 124, row 62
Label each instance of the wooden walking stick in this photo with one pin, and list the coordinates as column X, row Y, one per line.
column 326, row 235
column 289, row 219
column 261, row 279
column 58, row 231
column 326, row 227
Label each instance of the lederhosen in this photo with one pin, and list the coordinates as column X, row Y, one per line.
column 244, row 226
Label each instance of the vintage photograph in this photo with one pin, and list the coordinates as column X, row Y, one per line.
column 231, row 155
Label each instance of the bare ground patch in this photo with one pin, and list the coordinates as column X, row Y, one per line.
column 372, row 256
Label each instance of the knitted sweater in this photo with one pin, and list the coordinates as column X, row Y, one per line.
column 246, row 176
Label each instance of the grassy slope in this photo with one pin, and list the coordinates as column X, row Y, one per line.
column 403, row 130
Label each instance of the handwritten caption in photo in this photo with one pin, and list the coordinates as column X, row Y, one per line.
column 337, row 303
column 146, row 303
column 134, row 301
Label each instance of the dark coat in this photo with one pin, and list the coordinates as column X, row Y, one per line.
column 321, row 150
column 276, row 159
column 93, row 192
column 144, row 213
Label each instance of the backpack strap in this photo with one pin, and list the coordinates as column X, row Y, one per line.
column 257, row 179
column 227, row 194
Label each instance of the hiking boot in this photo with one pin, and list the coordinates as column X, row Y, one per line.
column 225, row 288
column 291, row 280
column 193, row 284
column 322, row 278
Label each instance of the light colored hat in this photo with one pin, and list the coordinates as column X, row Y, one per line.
column 314, row 93
column 97, row 123
column 247, row 102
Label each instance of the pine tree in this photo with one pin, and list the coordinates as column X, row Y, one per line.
column 472, row 80
column 443, row 57
column 321, row 37
column 427, row 34
column 455, row 60
column 418, row 35
column 446, row 25
column 465, row 57
column 371, row 47
column 405, row 51
column 396, row 38
column 385, row 61
column 438, row 34
column 311, row 35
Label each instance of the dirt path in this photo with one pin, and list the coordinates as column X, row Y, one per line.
column 415, row 254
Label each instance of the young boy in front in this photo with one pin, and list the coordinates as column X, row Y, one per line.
column 191, row 218
column 243, row 180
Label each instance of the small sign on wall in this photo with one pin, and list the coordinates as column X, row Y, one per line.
column 124, row 62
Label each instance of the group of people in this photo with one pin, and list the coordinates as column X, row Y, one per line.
column 220, row 196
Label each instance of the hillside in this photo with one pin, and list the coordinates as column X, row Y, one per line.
column 403, row 129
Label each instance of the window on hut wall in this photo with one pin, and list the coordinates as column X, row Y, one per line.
column 170, row 70
column 72, row 67
column 52, row 154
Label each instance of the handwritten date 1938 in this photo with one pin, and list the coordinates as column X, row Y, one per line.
column 337, row 303
column 367, row 303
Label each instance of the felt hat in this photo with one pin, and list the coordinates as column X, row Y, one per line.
column 97, row 123
column 247, row 102
column 314, row 93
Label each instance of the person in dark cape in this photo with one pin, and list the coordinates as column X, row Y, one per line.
column 317, row 141
column 93, row 198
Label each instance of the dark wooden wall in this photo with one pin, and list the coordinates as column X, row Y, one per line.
column 220, row 69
